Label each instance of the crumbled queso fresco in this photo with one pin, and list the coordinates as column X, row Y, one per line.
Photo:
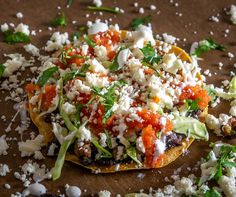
column 131, row 83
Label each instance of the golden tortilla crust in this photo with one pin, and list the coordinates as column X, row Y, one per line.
column 170, row 155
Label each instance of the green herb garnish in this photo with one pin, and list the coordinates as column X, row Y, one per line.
column 140, row 21
column 227, row 153
column 46, row 75
column 60, row 20
column 207, row 45
column 89, row 41
column 76, row 73
column 103, row 9
column 150, row 55
column 109, row 98
column 212, row 193
column 17, row 37
column 191, row 105
column 2, row 68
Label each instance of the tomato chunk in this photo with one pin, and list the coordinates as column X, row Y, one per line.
column 149, row 138
column 196, row 93
column 48, row 96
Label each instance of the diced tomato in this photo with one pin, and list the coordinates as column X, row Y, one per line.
column 149, row 71
column 48, row 96
column 83, row 98
column 156, row 99
column 149, row 138
column 111, row 55
column 168, row 127
column 196, row 93
column 30, row 88
column 150, row 118
column 77, row 61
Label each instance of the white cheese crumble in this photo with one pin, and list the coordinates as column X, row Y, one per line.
column 69, row 108
column 97, row 3
column 228, row 182
column 31, row 49
column 84, row 134
column 233, row 14
column 3, row 145
column 4, row 169
column 101, row 52
column 17, row 61
column 104, row 193
column 96, row 66
column 4, row 27
column 57, row 41
column 142, row 35
column 29, row 147
column 169, row 38
column 19, row 15
column 97, row 27
column 23, row 28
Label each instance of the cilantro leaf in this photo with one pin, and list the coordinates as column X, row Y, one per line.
column 17, row 37
column 89, row 41
column 109, row 98
column 225, row 156
column 150, row 55
column 46, row 75
column 207, row 45
column 60, row 20
column 75, row 73
column 140, row 21
column 191, row 105
column 103, row 9
column 212, row 193
column 2, row 68
column 114, row 66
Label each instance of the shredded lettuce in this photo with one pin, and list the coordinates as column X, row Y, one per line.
column 191, row 127
column 131, row 152
column 56, row 172
column 231, row 94
column 104, row 153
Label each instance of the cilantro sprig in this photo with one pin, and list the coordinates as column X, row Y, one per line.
column 226, row 156
column 150, row 57
column 109, row 98
column 75, row 73
column 89, row 41
column 191, row 105
column 60, row 20
column 207, row 45
column 2, row 68
column 46, row 75
column 103, row 9
column 140, row 21
column 18, row 37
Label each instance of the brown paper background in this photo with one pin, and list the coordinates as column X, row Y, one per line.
column 39, row 13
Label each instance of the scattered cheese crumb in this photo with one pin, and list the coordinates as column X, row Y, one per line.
column 19, row 15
